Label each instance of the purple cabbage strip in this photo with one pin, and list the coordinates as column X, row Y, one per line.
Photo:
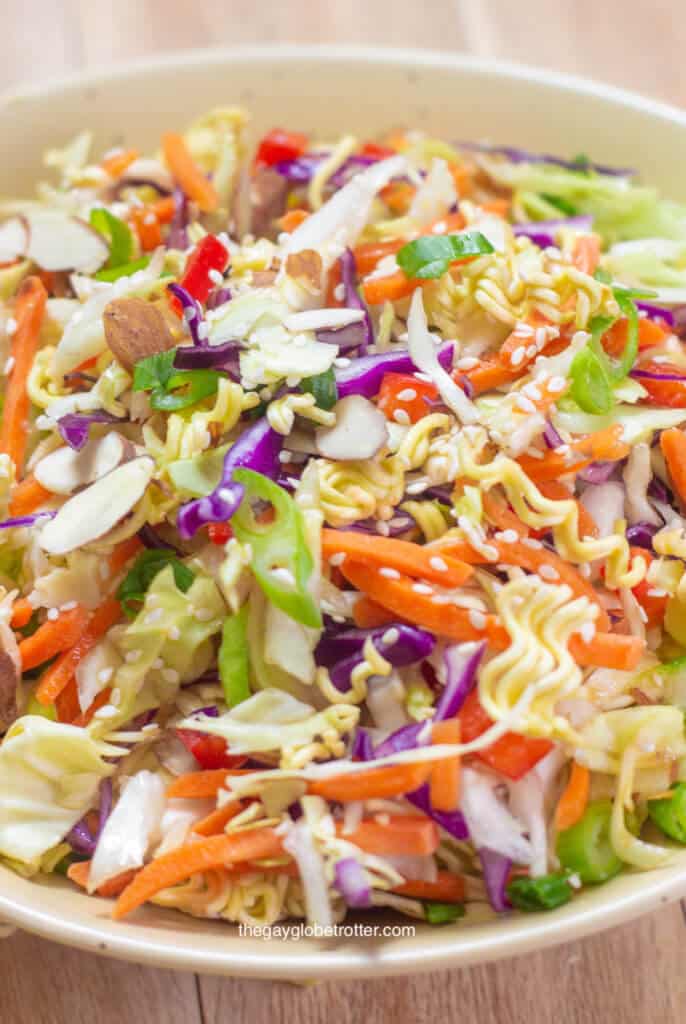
column 657, row 312
column 408, row 737
column 356, row 162
column 192, row 312
column 364, row 375
column 496, row 869
column 656, row 375
column 300, row 170
column 344, row 652
column 459, row 682
column 80, row 837
column 212, row 711
column 8, row 524
column 204, row 357
column 362, row 748
column 178, row 235
column 659, row 491
column 151, row 539
column 350, row 881
column 352, row 336
column 641, row 535
column 74, row 427
column 218, row 297
column 452, row 821
column 597, row 472
column 105, row 805
column 257, row 449
column 551, row 436
column 539, row 238
column 522, row 156
column 584, row 222
column 352, row 299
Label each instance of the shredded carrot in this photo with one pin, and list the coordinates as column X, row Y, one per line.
column 444, row 780
column 27, row 496
column 401, row 834
column 574, row 799
column 214, row 823
column 586, row 253
column 22, row 610
column 187, row 174
column 389, row 288
column 163, row 209
column 462, row 179
column 80, row 871
column 53, row 637
column 375, row 784
column 84, row 718
column 401, row 555
column 605, row 445
column 500, row 207
column 334, row 277
column 203, row 783
column 673, row 445
column 650, row 334
column 398, row 196
column 292, row 220
column 67, row 703
column 367, row 614
column 56, row 677
column 146, row 226
column 369, row 254
column 447, row 888
column 199, row 855
column 608, row 650
column 116, row 164
column 446, row 225
column 517, row 350
column 558, row 492
column 123, row 553
column 498, row 512
column 29, row 311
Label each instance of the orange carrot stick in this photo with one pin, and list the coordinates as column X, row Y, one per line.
column 369, row 254
column 400, row 555
column 367, row 614
column 67, row 703
column 84, row 718
column 673, row 445
column 447, row 888
column 214, row 823
column 53, row 637
column 402, row 833
column 444, row 780
column 112, row 887
column 574, row 799
column 586, row 253
column 187, row 174
column 29, row 311
column 116, row 164
column 201, row 855
column 497, row 512
column 292, row 220
column 22, row 610
column 556, row 491
column 122, row 554
column 389, row 288
column 164, row 209
column 375, row 784
column 650, row 334
column 27, row 496
column 56, row 677
column 203, row 783
column 146, row 226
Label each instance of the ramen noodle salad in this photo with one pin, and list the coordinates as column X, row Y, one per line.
column 342, row 539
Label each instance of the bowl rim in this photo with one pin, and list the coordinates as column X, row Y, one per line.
column 331, row 961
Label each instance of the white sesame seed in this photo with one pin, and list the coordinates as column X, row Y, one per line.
column 383, row 528
column 400, row 416
column 150, row 727
column 531, row 391
column 203, row 331
column 587, row 632
column 382, row 819
column 656, row 592
column 477, row 619
column 170, row 675
column 204, row 614
column 284, row 456
column 158, row 663
column 338, row 558
column 417, row 486
column 548, row 572
column 67, row 606
column 525, row 404
column 437, row 563
column 388, row 573
column 397, row 522
column 422, row 588
column 541, row 337
column 9, row 366
column 523, row 330
column 154, row 616
column 584, row 570
column 510, row 536
column 115, row 696
column 466, row 363
column 391, row 636
column 556, row 384
column 107, row 711
column 215, row 276
column 518, row 355
column 10, row 326
column 406, row 395
column 132, row 656
column 531, row 351
column 531, row 542
column 105, row 674
column 342, row 361
column 439, row 228
column 339, row 292
column 53, row 614
column 423, row 377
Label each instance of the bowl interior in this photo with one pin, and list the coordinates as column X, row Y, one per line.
column 328, row 92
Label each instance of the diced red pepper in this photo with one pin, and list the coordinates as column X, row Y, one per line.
column 671, row 393
column 209, row 751
column 377, row 151
column 280, row 145
column 208, row 255
column 219, row 533
column 402, row 393
column 513, row 755
column 654, row 605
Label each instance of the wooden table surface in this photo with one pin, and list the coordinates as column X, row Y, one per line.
column 631, row 974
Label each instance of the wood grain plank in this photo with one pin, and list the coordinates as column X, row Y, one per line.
column 43, row 983
column 612, row 977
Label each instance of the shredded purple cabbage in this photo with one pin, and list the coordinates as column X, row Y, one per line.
column 342, row 652
column 74, row 427
column 656, row 312
column 551, row 436
column 657, row 375
column 461, row 677
column 258, row 449
column 496, row 869
column 408, row 737
column 452, row 821
column 350, row 881
column 597, row 472
column 352, row 336
column 204, row 357
column 352, row 299
column 641, row 535
column 362, row 748
column 8, row 524
column 517, row 155
column 178, row 235
column 192, row 312
column 218, row 297
column 364, row 375
column 151, row 539
column 80, row 837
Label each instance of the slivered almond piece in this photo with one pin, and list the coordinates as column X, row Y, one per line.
column 306, row 266
column 10, row 674
column 65, row 470
column 134, row 330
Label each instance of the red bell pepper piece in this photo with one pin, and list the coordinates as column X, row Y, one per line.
column 671, row 393
column 209, row 751
column 208, row 255
column 513, row 755
column 376, row 150
column 219, row 533
column 654, row 605
column 280, row 145
column 403, row 393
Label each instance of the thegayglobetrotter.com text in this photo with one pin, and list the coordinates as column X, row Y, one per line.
column 301, row 930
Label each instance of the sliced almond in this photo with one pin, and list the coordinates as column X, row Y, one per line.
column 14, row 239
column 268, row 191
column 10, row 674
column 66, row 470
column 134, row 330
column 58, row 241
column 359, row 432
column 92, row 513
column 146, row 171
column 306, row 267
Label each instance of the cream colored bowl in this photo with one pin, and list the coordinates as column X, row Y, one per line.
column 329, row 91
